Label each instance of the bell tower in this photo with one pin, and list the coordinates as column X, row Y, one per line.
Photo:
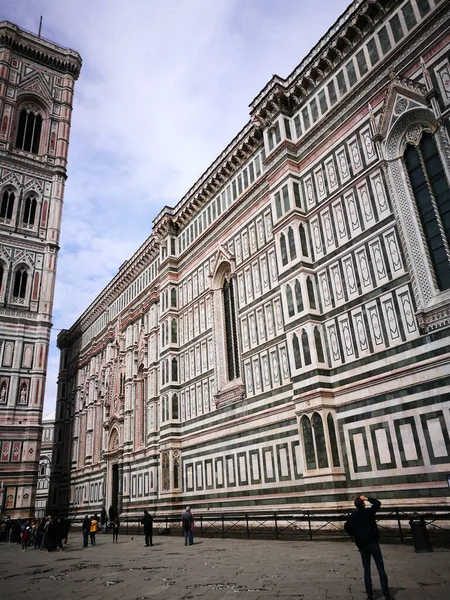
column 37, row 79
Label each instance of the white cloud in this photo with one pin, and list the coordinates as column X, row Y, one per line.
column 163, row 89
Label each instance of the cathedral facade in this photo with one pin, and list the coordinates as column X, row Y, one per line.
column 36, row 91
column 281, row 339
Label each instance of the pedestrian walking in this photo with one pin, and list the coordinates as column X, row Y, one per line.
column 187, row 522
column 93, row 529
column 147, row 522
column 116, row 525
column 25, row 534
column 86, row 528
column 362, row 526
column 103, row 516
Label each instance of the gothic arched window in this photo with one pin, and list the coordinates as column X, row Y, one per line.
column 175, row 406
column 319, row 347
column 284, row 256
column 432, row 194
column 291, row 240
column 305, row 346
column 308, row 443
column 29, row 131
column 298, row 296
column 165, row 471
column 333, row 441
column 231, row 339
column 297, row 356
column 20, row 283
column 311, row 295
column 303, row 242
column 173, row 297
column 176, row 470
column 7, row 206
column 174, row 331
column 29, row 212
column 290, row 301
column 174, row 369
column 1, row 275
column 319, row 436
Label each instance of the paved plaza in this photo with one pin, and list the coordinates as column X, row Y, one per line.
column 216, row 568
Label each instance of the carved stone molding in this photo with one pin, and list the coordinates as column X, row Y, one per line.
column 230, row 395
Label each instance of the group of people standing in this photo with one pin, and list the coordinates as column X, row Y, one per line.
column 49, row 533
column 91, row 525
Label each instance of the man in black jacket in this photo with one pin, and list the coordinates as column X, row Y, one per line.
column 147, row 522
column 362, row 526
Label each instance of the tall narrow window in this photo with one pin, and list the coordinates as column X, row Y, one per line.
column 175, row 407
column 290, row 301
column 29, row 131
column 291, row 240
column 165, row 471
column 174, row 335
column 173, row 297
column 29, row 212
column 176, row 470
column 297, row 355
column 20, row 284
column 432, row 194
column 298, row 296
column 319, row 436
column 303, row 241
column 308, row 443
column 311, row 295
column 174, row 369
column 305, row 346
column 284, row 256
column 231, row 339
column 6, row 209
column 319, row 347
column 333, row 441
column 1, row 275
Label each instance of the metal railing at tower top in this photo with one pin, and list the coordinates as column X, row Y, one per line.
column 393, row 524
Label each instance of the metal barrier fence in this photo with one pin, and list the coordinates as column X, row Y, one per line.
column 393, row 524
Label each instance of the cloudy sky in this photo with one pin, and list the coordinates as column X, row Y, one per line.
column 165, row 85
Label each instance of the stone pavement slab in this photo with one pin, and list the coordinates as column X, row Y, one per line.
column 216, row 569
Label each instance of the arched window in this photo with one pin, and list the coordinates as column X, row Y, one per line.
column 1, row 275
column 231, row 339
column 298, row 296
column 29, row 212
column 333, row 441
column 290, row 301
column 432, row 194
column 174, row 406
column 173, row 297
column 311, row 295
column 284, row 256
column 319, row 436
column 174, row 369
column 278, row 208
column 319, row 347
column 165, row 471
column 29, row 131
column 303, row 242
column 308, row 443
column 20, row 284
column 174, row 336
column 7, row 206
column 176, row 469
column 292, row 250
column 305, row 346
column 297, row 356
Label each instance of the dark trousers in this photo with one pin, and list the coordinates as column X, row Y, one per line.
column 188, row 536
column 92, row 534
column 369, row 551
column 85, row 538
column 115, row 534
column 149, row 537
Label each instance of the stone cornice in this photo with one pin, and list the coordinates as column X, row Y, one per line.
column 39, row 49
